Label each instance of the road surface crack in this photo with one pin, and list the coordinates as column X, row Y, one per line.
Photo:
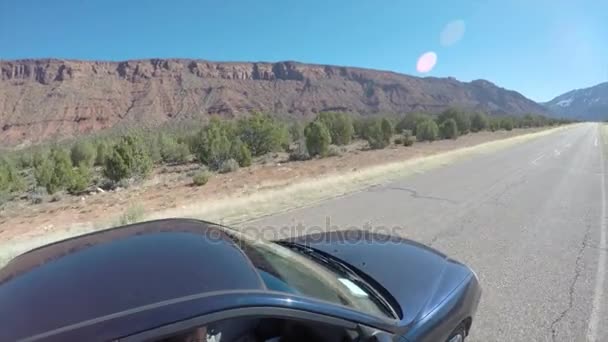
column 577, row 273
column 414, row 194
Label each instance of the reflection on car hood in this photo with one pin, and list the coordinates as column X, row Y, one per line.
column 111, row 271
column 418, row 277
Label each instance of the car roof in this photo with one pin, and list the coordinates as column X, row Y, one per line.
column 111, row 271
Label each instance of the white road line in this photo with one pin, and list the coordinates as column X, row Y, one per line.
column 556, row 152
column 537, row 159
column 601, row 264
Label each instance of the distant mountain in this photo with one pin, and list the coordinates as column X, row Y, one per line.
column 584, row 104
column 60, row 98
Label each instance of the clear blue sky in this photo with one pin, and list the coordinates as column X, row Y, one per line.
column 540, row 48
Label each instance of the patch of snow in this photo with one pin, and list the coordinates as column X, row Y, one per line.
column 564, row 103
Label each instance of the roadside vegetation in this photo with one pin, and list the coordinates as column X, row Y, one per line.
column 123, row 157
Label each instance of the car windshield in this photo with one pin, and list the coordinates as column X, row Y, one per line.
column 296, row 269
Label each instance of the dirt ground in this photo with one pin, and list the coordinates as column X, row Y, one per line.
column 170, row 187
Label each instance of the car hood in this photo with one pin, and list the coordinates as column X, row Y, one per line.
column 418, row 277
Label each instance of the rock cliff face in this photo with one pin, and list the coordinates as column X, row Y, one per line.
column 47, row 98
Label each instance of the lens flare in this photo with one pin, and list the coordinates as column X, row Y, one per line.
column 452, row 33
column 426, row 62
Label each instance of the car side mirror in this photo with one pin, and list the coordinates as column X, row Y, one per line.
column 374, row 335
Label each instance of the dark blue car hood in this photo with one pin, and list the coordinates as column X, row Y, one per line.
column 418, row 277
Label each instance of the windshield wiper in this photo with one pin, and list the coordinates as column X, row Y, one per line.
column 346, row 270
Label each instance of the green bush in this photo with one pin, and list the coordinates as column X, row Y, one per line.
column 317, row 138
column 83, row 152
column 377, row 132
column 410, row 121
column 10, row 179
column 54, row 172
column 408, row 139
column 296, row 131
column 26, row 160
column 300, row 152
column 494, row 124
column 172, row 151
column 463, row 120
column 229, row 165
column 427, row 131
column 201, row 178
column 128, row 158
column 62, row 172
column 213, row 143
column 398, row 141
column 81, row 179
column 387, row 130
column 448, row 129
column 262, row 134
column 340, row 126
column 102, row 151
column 359, row 126
column 240, row 152
column 479, row 122
column 506, row 124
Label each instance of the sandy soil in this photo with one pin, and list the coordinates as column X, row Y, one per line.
column 170, row 187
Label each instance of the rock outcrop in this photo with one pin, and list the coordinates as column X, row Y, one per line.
column 49, row 98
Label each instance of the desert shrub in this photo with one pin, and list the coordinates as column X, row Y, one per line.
column 62, row 171
column 82, row 152
column 494, row 124
column 81, row 179
column 213, row 142
column 340, row 126
column 262, row 134
column 359, row 126
column 463, row 120
column 128, row 158
column 55, row 172
column 408, row 138
column 229, row 165
column 300, row 152
column 296, row 131
column 172, row 151
column 240, row 152
column 376, row 132
column 102, row 151
column 10, row 178
column 133, row 214
column 201, row 178
column 25, row 160
column 398, row 141
column 529, row 120
column 152, row 149
column 317, row 138
column 410, row 121
column 506, row 124
column 479, row 122
column 334, row 151
column 427, row 130
column 387, row 130
column 448, row 129
column 43, row 171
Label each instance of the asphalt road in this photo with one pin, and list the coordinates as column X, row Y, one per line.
column 528, row 219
